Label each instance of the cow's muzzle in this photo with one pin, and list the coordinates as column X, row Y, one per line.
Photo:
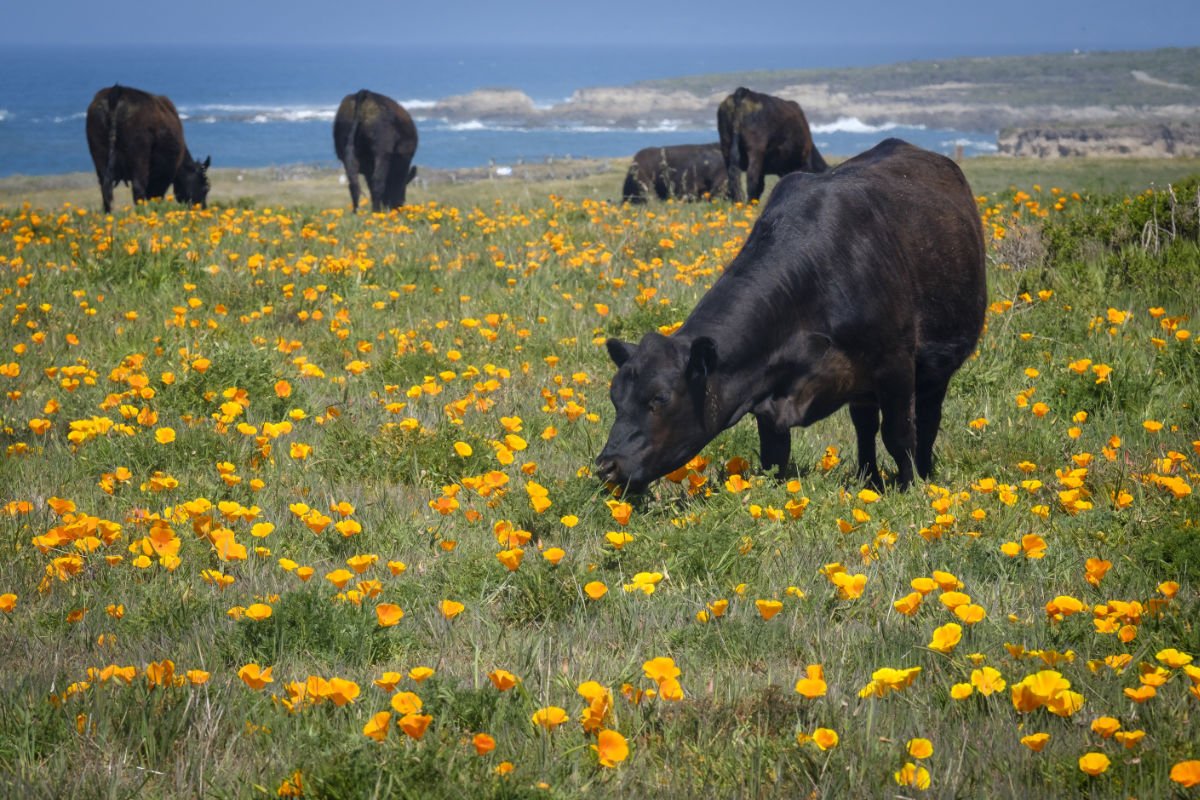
column 609, row 471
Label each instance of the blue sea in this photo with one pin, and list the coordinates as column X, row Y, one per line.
column 273, row 105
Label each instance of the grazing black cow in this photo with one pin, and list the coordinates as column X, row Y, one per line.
column 683, row 171
column 862, row 286
column 763, row 135
column 374, row 135
column 137, row 138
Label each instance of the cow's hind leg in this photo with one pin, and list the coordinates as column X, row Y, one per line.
column 929, row 419
column 755, row 179
column 866, row 426
column 896, row 405
column 774, row 445
column 355, row 187
column 106, row 191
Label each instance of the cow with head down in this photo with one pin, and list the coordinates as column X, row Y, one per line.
column 763, row 135
column 135, row 137
column 375, row 136
column 681, row 172
column 863, row 286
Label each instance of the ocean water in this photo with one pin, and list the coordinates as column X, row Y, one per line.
column 262, row 106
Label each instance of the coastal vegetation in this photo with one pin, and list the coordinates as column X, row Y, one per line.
column 296, row 502
column 1133, row 78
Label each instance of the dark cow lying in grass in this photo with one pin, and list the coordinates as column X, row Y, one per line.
column 863, row 286
column 683, row 171
column 136, row 138
column 763, row 135
column 375, row 136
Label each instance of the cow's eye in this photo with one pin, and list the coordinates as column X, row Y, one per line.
column 658, row 401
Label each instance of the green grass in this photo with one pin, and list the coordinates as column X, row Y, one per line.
column 1064, row 79
column 577, row 181
column 484, row 307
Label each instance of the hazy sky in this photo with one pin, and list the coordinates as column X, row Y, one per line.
column 1020, row 23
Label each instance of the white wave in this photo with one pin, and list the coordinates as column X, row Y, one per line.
column 665, row 126
column 856, row 125
column 257, row 114
column 974, row 144
column 411, row 104
column 78, row 115
column 472, row 125
column 3, row 114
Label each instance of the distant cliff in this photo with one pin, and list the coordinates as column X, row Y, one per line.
column 1147, row 140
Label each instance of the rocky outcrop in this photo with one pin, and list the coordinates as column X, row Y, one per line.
column 485, row 104
column 612, row 106
column 634, row 107
column 1150, row 140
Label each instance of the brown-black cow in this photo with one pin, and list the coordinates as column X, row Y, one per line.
column 763, row 135
column 863, row 286
column 136, row 137
column 375, row 136
column 682, row 171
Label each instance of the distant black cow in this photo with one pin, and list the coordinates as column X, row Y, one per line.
column 374, row 135
column 137, row 138
column 863, row 286
column 763, row 135
column 683, row 171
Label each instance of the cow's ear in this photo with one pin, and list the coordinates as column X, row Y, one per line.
column 412, row 173
column 619, row 351
column 703, row 358
column 207, row 162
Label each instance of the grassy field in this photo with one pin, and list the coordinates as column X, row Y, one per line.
column 297, row 502
column 571, row 180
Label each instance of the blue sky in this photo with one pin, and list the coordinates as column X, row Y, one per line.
column 1022, row 24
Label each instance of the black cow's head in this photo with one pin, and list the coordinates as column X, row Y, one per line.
column 660, row 393
column 191, row 181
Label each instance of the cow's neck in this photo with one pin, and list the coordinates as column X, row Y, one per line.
column 736, row 386
column 745, row 337
column 732, row 392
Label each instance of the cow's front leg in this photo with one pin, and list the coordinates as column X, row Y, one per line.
column 866, row 426
column 140, row 183
column 774, row 445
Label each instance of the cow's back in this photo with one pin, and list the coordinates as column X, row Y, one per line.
column 125, row 125
column 886, row 248
column 376, row 121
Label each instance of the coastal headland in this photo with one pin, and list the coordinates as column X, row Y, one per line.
column 1137, row 103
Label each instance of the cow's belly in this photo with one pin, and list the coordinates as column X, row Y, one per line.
column 815, row 397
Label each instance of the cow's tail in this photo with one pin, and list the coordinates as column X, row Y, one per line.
column 114, row 100
column 351, row 159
